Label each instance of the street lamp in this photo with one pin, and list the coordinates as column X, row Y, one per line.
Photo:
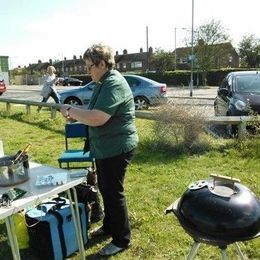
column 192, row 50
column 175, row 56
column 175, row 46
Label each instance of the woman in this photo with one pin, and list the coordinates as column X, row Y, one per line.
column 113, row 139
column 48, row 89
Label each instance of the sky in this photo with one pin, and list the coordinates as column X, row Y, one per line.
column 33, row 30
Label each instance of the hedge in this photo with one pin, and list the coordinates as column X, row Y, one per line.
column 180, row 77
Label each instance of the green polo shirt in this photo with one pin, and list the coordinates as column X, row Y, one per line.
column 113, row 96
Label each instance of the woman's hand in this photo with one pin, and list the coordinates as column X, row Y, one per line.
column 65, row 112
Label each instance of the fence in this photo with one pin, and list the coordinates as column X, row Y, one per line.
column 53, row 106
column 240, row 121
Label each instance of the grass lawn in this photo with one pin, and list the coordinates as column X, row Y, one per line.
column 156, row 178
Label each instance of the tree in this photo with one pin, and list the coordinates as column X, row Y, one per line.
column 249, row 51
column 209, row 49
column 162, row 61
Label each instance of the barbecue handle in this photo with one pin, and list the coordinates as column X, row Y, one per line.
column 218, row 177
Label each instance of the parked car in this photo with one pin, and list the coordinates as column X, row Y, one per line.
column 68, row 81
column 238, row 95
column 146, row 92
column 2, row 86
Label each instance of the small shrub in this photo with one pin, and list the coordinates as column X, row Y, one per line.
column 179, row 128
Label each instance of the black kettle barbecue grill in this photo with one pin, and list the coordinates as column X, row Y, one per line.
column 219, row 211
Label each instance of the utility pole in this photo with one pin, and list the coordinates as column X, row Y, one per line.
column 147, row 49
column 192, row 50
column 175, row 51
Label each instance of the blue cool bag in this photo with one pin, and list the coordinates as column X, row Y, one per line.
column 51, row 229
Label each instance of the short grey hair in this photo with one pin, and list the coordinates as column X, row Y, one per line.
column 98, row 52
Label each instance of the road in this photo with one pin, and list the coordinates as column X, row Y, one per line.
column 202, row 97
column 32, row 92
column 23, row 92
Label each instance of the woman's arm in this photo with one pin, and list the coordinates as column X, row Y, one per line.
column 48, row 80
column 89, row 117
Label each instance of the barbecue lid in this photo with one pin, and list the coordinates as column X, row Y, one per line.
column 219, row 208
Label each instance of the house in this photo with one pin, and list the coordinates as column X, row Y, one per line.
column 133, row 61
column 124, row 62
column 73, row 66
column 38, row 67
column 224, row 55
column 67, row 67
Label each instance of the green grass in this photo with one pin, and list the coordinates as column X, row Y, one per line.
column 156, row 178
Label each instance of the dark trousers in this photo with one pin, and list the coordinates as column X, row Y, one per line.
column 54, row 95
column 111, row 174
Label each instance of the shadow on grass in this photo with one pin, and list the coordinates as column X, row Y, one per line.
column 32, row 120
column 93, row 242
column 29, row 254
column 152, row 151
column 5, row 250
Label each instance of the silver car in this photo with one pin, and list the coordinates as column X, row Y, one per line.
column 146, row 92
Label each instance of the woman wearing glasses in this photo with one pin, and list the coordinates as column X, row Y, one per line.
column 113, row 140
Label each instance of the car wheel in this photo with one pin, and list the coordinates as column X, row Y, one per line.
column 73, row 101
column 141, row 103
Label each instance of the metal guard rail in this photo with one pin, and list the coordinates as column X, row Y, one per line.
column 241, row 121
column 28, row 103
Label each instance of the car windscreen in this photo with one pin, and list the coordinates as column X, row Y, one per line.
column 248, row 83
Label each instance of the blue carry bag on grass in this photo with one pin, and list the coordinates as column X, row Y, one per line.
column 51, row 229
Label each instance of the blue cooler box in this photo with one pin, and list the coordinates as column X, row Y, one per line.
column 51, row 229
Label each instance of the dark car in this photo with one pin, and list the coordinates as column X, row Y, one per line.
column 146, row 92
column 2, row 86
column 238, row 95
column 68, row 81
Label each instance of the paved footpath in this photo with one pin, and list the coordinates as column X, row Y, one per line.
column 202, row 92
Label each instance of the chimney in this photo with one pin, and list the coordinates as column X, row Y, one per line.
column 150, row 50
column 116, row 53
column 74, row 57
column 80, row 57
column 125, row 51
column 50, row 61
column 141, row 50
column 65, row 58
column 39, row 61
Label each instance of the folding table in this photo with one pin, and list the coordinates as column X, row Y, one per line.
column 35, row 195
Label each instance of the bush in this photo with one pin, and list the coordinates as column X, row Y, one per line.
column 179, row 128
